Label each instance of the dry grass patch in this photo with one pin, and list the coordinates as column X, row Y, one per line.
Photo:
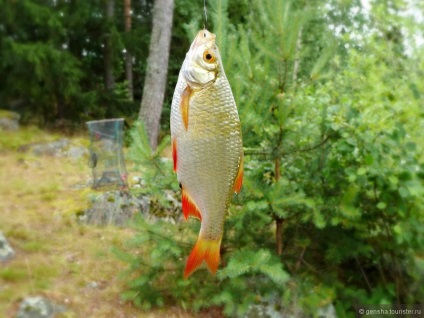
column 70, row 263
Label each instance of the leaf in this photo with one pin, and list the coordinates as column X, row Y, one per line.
column 369, row 159
column 381, row 205
column 361, row 171
column 411, row 146
column 275, row 272
column 403, row 192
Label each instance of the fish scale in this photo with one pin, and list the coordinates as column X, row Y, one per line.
column 207, row 146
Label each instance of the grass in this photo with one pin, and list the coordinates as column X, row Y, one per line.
column 57, row 257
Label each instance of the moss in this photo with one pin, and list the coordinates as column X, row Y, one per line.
column 33, row 246
column 8, row 114
column 24, row 136
column 12, row 274
column 19, row 232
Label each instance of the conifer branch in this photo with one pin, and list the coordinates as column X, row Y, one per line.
column 364, row 275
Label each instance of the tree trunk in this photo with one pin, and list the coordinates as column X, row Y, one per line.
column 108, row 63
column 128, row 56
column 297, row 56
column 157, row 68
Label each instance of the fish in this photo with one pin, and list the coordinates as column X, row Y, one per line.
column 207, row 147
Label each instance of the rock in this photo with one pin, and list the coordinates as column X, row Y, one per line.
column 47, row 148
column 328, row 311
column 75, row 152
column 93, row 285
column 9, row 121
column 59, row 148
column 38, row 307
column 273, row 309
column 166, row 208
column 113, row 208
column 6, row 251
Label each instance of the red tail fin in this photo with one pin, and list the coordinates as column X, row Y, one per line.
column 204, row 250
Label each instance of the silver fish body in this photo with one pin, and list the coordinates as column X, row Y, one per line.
column 207, row 145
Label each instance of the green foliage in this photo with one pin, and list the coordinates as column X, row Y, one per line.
column 51, row 60
column 155, row 272
column 155, row 170
column 332, row 129
column 156, row 255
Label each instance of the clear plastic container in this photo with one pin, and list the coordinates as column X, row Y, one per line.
column 106, row 153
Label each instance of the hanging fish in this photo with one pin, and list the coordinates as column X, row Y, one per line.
column 206, row 146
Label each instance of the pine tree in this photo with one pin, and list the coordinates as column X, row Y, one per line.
column 334, row 161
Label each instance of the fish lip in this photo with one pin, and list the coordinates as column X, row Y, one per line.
column 203, row 37
column 194, row 69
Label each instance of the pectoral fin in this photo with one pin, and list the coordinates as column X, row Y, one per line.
column 184, row 103
column 189, row 208
column 239, row 178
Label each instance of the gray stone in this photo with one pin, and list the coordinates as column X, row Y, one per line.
column 53, row 148
column 59, row 148
column 9, row 121
column 118, row 207
column 75, row 152
column 93, row 285
column 167, row 208
column 38, row 307
column 6, row 251
column 328, row 311
column 273, row 309
column 113, row 208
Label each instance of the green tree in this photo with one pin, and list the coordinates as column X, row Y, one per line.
column 36, row 72
column 333, row 195
column 52, row 59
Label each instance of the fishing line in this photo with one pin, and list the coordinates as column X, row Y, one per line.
column 205, row 21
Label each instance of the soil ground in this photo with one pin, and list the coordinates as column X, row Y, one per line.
column 56, row 257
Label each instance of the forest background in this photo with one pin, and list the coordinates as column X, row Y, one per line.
column 331, row 99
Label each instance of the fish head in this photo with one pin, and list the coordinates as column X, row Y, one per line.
column 202, row 64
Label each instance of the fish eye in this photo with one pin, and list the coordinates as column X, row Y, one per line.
column 209, row 57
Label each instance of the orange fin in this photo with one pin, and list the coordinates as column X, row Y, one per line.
column 189, row 208
column 174, row 153
column 185, row 100
column 239, row 178
column 204, row 250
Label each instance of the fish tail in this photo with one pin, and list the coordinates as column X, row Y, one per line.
column 204, row 250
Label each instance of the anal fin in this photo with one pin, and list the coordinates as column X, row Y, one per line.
column 239, row 178
column 189, row 208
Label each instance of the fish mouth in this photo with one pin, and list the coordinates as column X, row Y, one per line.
column 197, row 72
column 203, row 37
